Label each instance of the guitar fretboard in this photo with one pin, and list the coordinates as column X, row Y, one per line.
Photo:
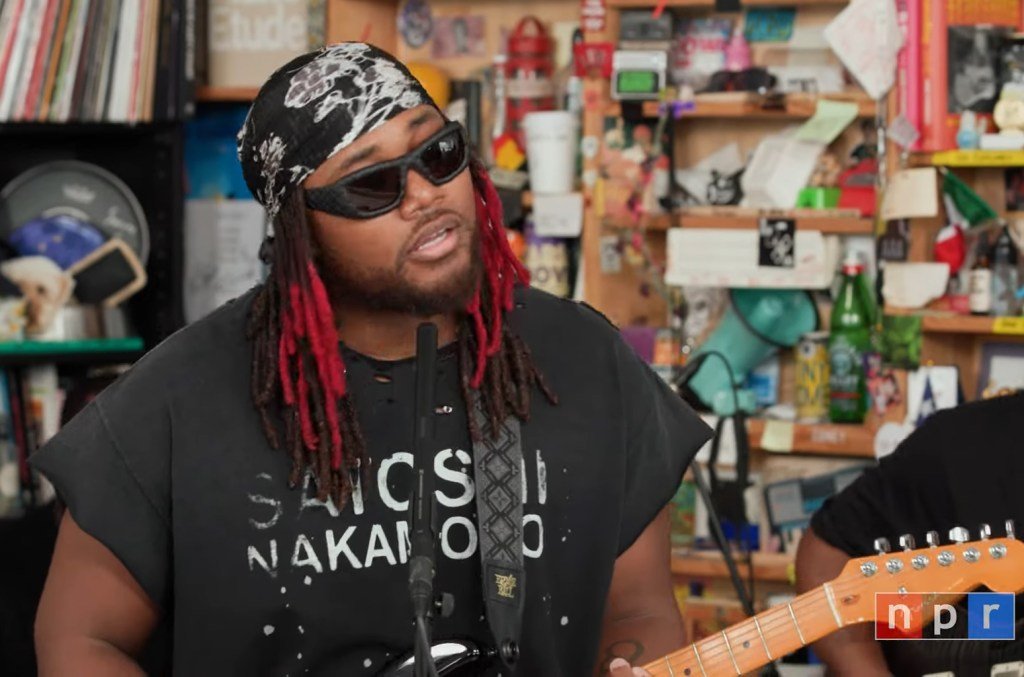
column 757, row 641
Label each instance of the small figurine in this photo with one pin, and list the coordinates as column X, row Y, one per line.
column 45, row 286
column 1009, row 111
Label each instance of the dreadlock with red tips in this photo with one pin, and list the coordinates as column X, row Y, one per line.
column 298, row 373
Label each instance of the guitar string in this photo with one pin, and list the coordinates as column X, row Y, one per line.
column 719, row 654
column 812, row 602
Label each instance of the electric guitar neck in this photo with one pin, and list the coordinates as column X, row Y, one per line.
column 936, row 571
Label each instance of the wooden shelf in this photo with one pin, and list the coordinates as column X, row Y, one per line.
column 226, row 94
column 824, row 439
column 829, row 222
column 972, row 324
column 733, row 105
column 768, row 566
column 969, row 158
column 650, row 222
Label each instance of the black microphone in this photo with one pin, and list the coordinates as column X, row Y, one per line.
column 421, row 536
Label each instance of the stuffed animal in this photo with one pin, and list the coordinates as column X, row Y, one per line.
column 44, row 285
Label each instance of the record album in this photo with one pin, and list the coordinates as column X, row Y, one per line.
column 80, row 190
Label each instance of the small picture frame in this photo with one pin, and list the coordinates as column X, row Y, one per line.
column 1002, row 369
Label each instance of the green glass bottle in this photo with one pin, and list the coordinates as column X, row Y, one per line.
column 848, row 343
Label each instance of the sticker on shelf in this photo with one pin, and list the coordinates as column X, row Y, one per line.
column 775, row 243
column 1008, row 325
column 778, row 436
column 589, row 146
column 590, row 178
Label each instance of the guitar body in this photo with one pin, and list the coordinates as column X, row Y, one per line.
column 453, row 658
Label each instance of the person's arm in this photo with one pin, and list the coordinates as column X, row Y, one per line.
column 93, row 617
column 641, row 619
column 852, row 650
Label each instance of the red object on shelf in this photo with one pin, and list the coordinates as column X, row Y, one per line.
column 593, row 59
column 857, row 188
column 529, row 74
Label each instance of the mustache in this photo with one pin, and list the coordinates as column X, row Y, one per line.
column 428, row 220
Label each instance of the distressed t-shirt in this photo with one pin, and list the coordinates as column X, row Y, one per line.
column 169, row 468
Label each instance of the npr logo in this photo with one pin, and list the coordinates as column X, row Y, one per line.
column 990, row 615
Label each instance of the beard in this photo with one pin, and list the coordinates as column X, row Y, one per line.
column 386, row 290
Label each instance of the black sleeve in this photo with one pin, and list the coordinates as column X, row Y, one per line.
column 663, row 434
column 110, row 465
column 906, row 493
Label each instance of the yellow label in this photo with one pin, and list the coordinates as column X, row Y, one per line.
column 1008, row 325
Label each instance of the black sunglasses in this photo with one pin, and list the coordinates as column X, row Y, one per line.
column 379, row 188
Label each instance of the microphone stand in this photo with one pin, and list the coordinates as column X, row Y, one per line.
column 422, row 534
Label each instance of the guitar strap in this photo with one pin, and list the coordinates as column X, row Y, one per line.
column 497, row 472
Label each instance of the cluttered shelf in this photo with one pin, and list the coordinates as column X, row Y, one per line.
column 750, row 105
column 85, row 351
column 768, row 566
column 969, row 158
column 829, row 222
column 825, row 439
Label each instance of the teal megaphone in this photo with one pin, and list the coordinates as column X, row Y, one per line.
column 757, row 322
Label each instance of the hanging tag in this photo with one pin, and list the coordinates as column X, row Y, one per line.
column 895, row 244
column 593, row 15
column 903, row 133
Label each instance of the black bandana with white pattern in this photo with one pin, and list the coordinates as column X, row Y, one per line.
column 316, row 105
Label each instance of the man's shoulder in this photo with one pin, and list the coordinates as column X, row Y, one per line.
column 980, row 416
column 201, row 349
column 538, row 309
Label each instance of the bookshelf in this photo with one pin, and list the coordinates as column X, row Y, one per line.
column 714, row 121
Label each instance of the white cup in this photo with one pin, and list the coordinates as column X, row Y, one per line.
column 551, row 151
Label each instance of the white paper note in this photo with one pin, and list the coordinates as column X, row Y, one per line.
column 558, row 215
column 866, row 38
column 911, row 194
column 711, row 257
column 222, row 243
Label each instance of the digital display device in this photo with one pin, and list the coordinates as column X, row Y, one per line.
column 638, row 75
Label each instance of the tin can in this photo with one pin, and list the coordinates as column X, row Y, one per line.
column 812, row 378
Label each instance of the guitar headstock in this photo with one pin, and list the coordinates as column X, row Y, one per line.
column 955, row 568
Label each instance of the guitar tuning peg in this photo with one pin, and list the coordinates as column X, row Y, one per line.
column 959, row 535
column 881, row 545
column 1010, row 529
column 984, row 531
column 907, row 542
column 932, row 537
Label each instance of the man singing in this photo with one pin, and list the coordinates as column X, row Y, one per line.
column 243, row 491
